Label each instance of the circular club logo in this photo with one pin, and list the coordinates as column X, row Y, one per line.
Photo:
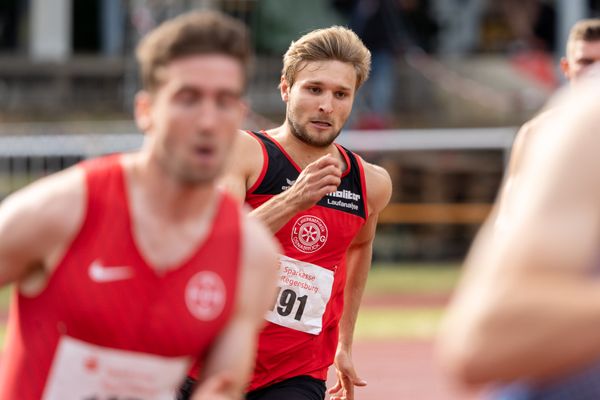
column 205, row 295
column 309, row 234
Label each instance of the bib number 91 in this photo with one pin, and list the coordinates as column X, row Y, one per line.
column 285, row 302
column 304, row 291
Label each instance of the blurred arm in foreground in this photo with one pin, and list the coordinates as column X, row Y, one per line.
column 528, row 307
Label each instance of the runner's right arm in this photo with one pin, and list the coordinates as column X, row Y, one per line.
column 36, row 224
column 319, row 178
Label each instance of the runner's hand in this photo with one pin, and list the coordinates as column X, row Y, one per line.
column 217, row 387
column 319, row 178
column 347, row 377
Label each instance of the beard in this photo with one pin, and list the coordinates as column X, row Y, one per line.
column 301, row 134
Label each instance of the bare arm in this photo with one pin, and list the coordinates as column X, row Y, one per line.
column 319, row 178
column 528, row 288
column 36, row 224
column 231, row 359
column 358, row 262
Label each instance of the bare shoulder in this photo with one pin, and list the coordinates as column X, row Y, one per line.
column 569, row 143
column 526, row 134
column 246, row 149
column 534, row 124
column 53, row 199
column 247, row 138
column 379, row 186
column 531, row 127
column 38, row 221
column 245, row 161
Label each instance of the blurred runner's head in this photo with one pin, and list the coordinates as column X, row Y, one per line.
column 193, row 72
column 583, row 49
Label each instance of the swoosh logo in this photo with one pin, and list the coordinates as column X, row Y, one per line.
column 101, row 273
column 290, row 182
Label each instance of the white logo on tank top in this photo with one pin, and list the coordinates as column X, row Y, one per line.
column 309, row 234
column 101, row 273
column 289, row 184
column 205, row 295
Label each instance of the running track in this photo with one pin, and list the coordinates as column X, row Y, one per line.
column 401, row 370
column 396, row 369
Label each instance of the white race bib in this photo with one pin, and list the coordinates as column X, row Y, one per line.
column 304, row 291
column 83, row 371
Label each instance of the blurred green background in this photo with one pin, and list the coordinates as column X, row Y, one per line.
column 401, row 301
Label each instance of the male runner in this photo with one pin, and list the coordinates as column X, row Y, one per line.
column 526, row 311
column 128, row 267
column 322, row 202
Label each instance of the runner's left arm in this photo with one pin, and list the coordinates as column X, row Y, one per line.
column 228, row 366
column 358, row 263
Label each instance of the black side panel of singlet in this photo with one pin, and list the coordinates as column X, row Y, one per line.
column 281, row 174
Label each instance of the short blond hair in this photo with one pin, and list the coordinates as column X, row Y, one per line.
column 587, row 30
column 334, row 43
column 192, row 33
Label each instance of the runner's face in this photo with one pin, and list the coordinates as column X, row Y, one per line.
column 320, row 101
column 194, row 115
column 582, row 56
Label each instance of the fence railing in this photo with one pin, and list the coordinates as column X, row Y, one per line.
column 24, row 158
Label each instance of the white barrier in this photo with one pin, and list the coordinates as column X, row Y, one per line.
column 89, row 145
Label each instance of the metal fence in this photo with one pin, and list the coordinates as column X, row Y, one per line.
column 444, row 180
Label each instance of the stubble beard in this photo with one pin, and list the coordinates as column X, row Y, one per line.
column 301, row 134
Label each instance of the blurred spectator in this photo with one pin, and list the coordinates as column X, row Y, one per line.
column 460, row 23
column 532, row 23
column 388, row 28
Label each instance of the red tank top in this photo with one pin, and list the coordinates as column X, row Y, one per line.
column 302, row 333
column 108, row 318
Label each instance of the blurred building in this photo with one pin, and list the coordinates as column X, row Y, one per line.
column 455, row 63
column 59, row 57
